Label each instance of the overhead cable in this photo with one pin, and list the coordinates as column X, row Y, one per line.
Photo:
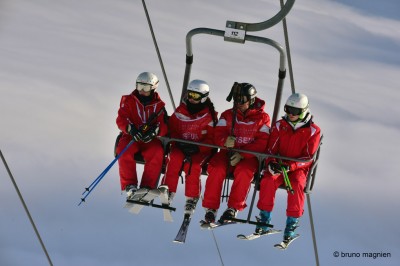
column 158, row 54
column 26, row 209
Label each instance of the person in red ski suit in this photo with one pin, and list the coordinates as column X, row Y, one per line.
column 141, row 117
column 193, row 120
column 245, row 126
column 294, row 136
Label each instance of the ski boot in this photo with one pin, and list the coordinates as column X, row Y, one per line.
column 228, row 215
column 190, row 205
column 291, row 225
column 210, row 215
column 130, row 191
column 265, row 217
column 140, row 193
column 289, row 236
column 166, row 195
column 171, row 196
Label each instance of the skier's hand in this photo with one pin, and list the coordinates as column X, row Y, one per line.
column 188, row 149
column 150, row 134
column 235, row 158
column 134, row 132
column 230, row 142
column 276, row 168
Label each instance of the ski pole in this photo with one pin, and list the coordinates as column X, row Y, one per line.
column 235, row 93
column 105, row 171
column 90, row 188
column 288, row 185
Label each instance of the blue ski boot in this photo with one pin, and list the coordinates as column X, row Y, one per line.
column 289, row 236
column 291, row 225
column 265, row 217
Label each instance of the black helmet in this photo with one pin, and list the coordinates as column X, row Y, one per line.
column 247, row 93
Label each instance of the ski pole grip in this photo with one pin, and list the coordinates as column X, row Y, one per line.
column 234, row 91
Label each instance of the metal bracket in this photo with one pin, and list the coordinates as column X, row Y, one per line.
column 235, row 31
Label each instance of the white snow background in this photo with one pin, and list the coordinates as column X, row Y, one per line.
column 65, row 64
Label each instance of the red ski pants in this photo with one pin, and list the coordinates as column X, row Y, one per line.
column 243, row 174
column 192, row 172
column 153, row 155
column 295, row 202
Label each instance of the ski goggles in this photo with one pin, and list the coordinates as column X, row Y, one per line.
column 293, row 110
column 194, row 95
column 143, row 87
column 242, row 99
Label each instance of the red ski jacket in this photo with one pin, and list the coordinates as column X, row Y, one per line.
column 198, row 127
column 132, row 111
column 299, row 141
column 251, row 128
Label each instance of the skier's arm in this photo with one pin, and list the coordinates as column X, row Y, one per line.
column 123, row 115
column 273, row 144
column 208, row 137
column 308, row 151
column 162, row 120
column 221, row 131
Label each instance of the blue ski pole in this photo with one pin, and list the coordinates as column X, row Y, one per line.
column 90, row 188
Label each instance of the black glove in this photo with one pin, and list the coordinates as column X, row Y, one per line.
column 134, row 132
column 150, row 134
column 276, row 168
column 188, row 149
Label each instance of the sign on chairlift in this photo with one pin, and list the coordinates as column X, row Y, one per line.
column 235, row 32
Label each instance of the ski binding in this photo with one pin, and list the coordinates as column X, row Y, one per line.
column 286, row 242
column 210, row 226
column 257, row 235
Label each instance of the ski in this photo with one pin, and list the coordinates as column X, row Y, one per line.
column 141, row 199
column 257, row 235
column 181, row 236
column 286, row 242
column 210, row 226
column 139, row 194
column 165, row 204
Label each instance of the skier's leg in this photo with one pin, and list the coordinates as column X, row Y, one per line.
column 171, row 177
column 153, row 154
column 127, row 163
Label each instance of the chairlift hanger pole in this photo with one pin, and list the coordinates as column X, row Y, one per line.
column 276, row 45
column 285, row 9
column 236, row 32
column 312, row 172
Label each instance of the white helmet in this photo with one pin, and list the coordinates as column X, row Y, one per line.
column 297, row 104
column 198, row 89
column 146, row 81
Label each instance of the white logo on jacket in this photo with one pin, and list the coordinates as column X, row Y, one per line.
column 244, row 140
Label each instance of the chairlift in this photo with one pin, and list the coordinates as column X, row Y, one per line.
column 237, row 32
